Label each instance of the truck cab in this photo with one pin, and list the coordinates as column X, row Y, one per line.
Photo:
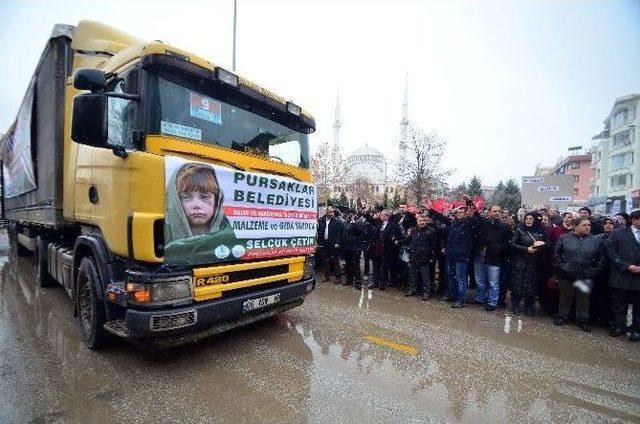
column 176, row 196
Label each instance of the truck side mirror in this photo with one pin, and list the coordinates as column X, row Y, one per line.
column 90, row 79
column 89, row 123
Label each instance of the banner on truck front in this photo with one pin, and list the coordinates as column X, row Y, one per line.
column 217, row 214
column 15, row 151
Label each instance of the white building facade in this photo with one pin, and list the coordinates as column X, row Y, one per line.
column 616, row 158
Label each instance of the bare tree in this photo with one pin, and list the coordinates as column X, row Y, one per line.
column 422, row 172
column 327, row 169
column 361, row 191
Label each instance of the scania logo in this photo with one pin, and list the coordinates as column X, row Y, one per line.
column 208, row 281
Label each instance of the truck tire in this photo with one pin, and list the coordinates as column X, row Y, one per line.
column 91, row 311
column 40, row 256
column 16, row 247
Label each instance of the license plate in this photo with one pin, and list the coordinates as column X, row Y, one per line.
column 260, row 302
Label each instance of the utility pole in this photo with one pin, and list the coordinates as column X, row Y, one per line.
column 235, row 13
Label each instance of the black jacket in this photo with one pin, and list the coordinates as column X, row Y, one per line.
column 406, row 221
column 460, row 236
column 492, row 239
column 352, row 237
column 368, row 230
column 578, row 257
column 336, row 229
column 421, row 243
column 624, row 250
column 386, row 239
column 524, row 238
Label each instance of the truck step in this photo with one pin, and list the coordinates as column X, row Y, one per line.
column 117, row 327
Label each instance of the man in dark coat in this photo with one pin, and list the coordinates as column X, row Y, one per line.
column 368, row 229
column 330, row 231
column 596, row 227
column 406, row 220
column 351, row 247
column 491, row 241
column 422, row 241
column 389, row 237
column 624, row 253
column 458, row 251
column 438, row 259
column 578, row 258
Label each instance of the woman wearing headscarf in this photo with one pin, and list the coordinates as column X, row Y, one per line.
column 622, row 220
column 527, row 243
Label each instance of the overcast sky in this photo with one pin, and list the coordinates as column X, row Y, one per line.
column 508, row 83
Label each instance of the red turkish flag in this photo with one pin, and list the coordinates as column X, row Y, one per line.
column 439, row 205
column 478, row 202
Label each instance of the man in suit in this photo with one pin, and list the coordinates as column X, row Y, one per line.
column 390, row 237
column 330, row 231
column 624, row 253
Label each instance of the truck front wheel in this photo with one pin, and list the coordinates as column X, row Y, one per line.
column 90, row 306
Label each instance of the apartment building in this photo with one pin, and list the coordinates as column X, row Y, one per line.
column 615, row 158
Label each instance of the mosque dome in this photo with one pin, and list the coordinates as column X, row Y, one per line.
column 366, row 162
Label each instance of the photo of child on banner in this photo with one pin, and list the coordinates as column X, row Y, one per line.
column 195, row 224
column 216, row 214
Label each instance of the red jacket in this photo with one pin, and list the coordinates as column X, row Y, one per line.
column 556, row 232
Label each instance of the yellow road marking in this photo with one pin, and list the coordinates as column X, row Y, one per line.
column 409, row 350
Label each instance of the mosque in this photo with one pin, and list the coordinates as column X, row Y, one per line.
column 368, row 162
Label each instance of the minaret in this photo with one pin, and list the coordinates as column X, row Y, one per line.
column 404, row 122
column 337, row 124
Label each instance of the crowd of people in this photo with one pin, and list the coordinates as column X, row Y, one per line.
column 567, row 265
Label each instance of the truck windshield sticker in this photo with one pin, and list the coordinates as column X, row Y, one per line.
column 184, row 131
column 216, row 214
column 205, row 108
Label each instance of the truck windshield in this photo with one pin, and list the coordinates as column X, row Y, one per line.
column 189, row 108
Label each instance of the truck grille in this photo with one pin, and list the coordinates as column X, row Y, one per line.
column 249, row 274
column 171, row 321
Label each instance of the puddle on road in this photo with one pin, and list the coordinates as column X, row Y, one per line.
column 472, row 366
column 314, row 364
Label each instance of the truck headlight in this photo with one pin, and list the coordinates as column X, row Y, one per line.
column 159, row 291
column 308, row 271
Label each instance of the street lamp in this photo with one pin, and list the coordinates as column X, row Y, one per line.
column 235, row 12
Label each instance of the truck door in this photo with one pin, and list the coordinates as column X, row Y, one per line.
column 110, row 176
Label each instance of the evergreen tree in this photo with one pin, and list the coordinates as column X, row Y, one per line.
column 343, row 200
column 474, row 188
column 395, row 201
column 385, row 199
column 512, row 196
column 497, row 198
column 460, row 189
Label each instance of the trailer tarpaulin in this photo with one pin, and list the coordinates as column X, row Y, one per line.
column 15, row 151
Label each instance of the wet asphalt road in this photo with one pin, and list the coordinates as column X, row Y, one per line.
column 344, row 356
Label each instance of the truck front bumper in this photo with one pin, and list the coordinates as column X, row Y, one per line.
column 159, row 329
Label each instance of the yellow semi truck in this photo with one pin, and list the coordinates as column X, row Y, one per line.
column 171, row 198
